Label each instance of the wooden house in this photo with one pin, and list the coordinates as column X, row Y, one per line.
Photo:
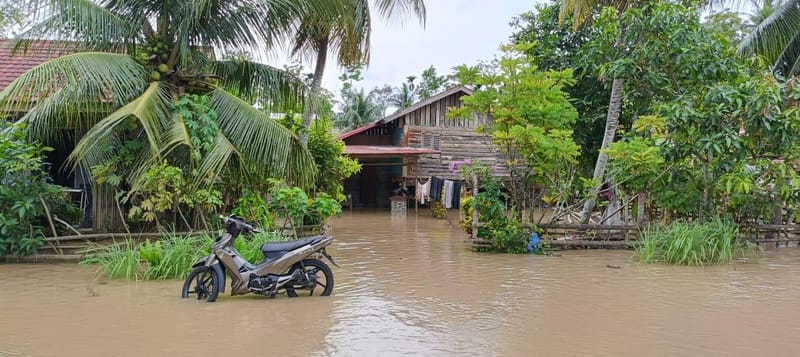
column 414, row 144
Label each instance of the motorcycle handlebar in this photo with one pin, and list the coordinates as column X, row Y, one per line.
column 247, row 227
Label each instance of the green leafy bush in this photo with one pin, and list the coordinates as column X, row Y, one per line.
column 294, row 205
column 253, row 207
column 23, row 185
column 505, row 233
column 333, row 167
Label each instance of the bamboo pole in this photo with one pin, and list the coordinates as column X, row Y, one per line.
column 47, row 213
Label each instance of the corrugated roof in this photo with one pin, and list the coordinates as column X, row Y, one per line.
column 39, row 52
column 385, row 151
column 358, row 130
column 405, row 111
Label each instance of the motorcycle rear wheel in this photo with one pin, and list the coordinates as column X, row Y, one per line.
column 202, row 282
column 323, row 279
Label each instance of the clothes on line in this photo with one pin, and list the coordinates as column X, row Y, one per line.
column 456, row 194
column 449, row 191
column 423, row 190
column 437, row 186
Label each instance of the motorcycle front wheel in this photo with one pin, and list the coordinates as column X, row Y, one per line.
column 202, row 282
column 316, row 280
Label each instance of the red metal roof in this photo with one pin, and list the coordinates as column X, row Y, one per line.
column 357, row 131
column 385, row 151
column 39, row 52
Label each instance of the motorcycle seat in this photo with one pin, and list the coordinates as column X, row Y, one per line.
column 290, row 245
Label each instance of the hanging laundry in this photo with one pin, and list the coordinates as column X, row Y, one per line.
column 423, row 190
column 436, row 188
column 457, row 195
column 448, row 198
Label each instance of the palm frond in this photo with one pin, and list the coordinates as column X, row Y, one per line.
column 256, row 82
column 350, row 39
column 772, row 36
column 177, row 134
column 580, row 11
column 84, row 24
column 214, row 161
column 310, row 35
column 65, row 90
column 789, row 61
column 264, row 144
column 226, row 25
column 151, row 110
column 400, row 8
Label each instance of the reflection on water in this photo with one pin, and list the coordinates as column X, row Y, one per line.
column 411, row 286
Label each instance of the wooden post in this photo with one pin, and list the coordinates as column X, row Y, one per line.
column 474, row 207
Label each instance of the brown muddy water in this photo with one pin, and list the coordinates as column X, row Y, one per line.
column 410, row 286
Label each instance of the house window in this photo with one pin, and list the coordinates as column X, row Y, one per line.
column 431, row 141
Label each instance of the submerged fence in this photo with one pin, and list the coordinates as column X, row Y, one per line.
column 585, row 236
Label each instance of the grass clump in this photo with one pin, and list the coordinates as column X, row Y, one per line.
column 115, row 261
column 168, row 258
column 690, row 243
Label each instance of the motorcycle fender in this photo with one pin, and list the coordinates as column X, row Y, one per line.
column 212, row 259
column 221, row 271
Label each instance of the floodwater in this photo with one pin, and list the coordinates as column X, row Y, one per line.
column 410, row 286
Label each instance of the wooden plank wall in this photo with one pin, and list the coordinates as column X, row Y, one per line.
column 454, row 145
column 456, row 139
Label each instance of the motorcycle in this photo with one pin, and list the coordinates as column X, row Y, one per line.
column 293, row 266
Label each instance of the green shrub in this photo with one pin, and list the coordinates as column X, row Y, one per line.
column 253, row 207
column 713, row 242
column 505, row 233
column 23, row 185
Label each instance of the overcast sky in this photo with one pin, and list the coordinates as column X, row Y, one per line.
column 456, row 32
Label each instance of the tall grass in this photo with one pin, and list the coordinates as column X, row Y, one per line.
column 168, row 258
column 713, row 242
column 115, row 261
column 173, row 256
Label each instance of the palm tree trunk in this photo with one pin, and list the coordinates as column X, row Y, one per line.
column 316, row 86
column 614, row 108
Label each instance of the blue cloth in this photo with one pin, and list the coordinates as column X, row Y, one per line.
column 533, row 243
column 437, row 186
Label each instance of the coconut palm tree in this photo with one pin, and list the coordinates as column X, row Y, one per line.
column 406, row 94
column 777, row 38
column 358, row 109
column 346, row 34
column 131, row 62
column 762, row 9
